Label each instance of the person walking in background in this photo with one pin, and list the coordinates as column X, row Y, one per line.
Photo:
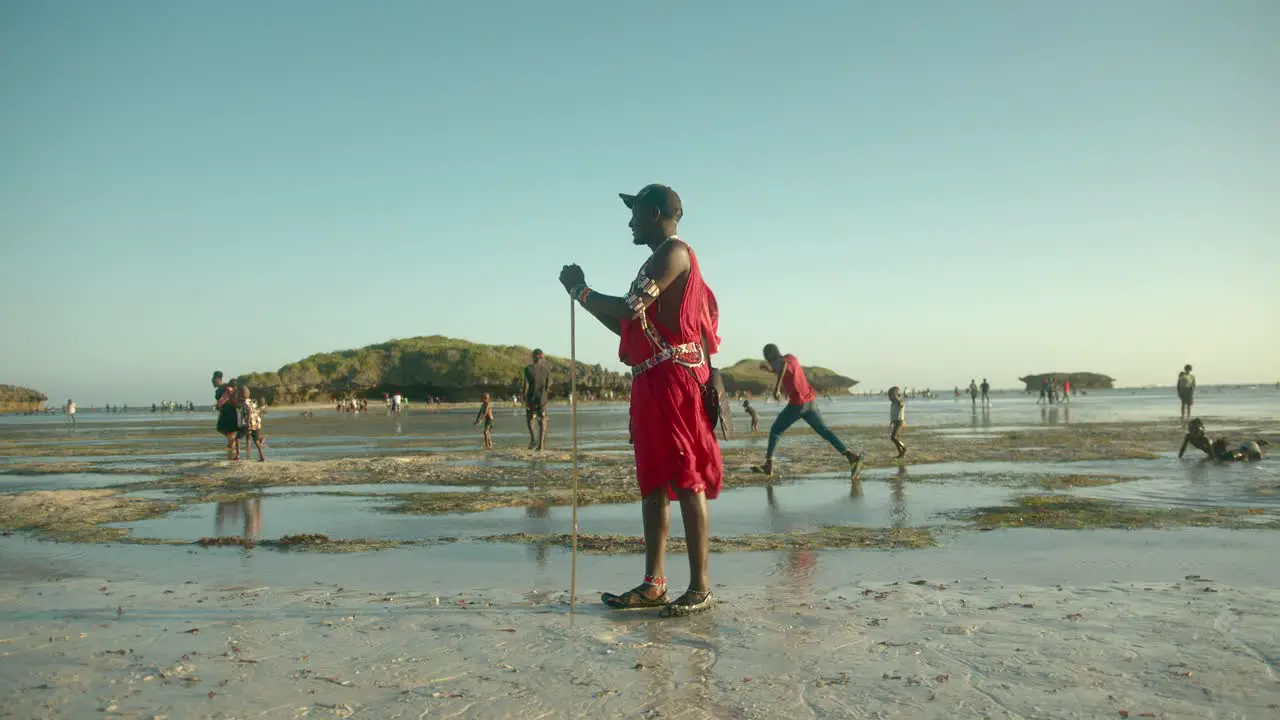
column 986, row 393
column 224, row 396
column 973, row 392
column 800, row 406
column 537, row 390
column 1066, row 389
column 1186, row 392
column 897, row 418
column 249, row 418
column 486, row 414
column 71, row 411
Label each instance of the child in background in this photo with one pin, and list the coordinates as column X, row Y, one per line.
column 897, row 418
column 486, row 414
column 250, row 417
column 755, row 419
column 1196, row 438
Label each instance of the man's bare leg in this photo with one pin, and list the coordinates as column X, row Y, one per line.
column 697, row 534
column 528, row 418
column 261, row 456
column 542, row 435
column 657, row 523
column 653, row 591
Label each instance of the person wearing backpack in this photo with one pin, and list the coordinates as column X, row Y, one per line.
column 1186, row 392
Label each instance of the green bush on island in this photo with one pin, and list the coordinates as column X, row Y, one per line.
column 20, row 399
column 450, row 369
column 1082, row 380
column 754, row 377
column 458, row 371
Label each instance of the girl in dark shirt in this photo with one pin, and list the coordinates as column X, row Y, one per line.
column 224, row 397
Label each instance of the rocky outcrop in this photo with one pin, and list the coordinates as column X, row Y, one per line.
column 1081, row 380
column 14, row 399
column 755, row 377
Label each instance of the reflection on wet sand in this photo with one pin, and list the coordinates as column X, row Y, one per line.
column 798, row 566
column 898, row 497
column 229, row 512
column 539, row 550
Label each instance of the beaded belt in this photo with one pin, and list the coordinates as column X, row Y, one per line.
column 664, row 356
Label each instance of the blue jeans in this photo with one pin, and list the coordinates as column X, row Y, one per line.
column 810, row 414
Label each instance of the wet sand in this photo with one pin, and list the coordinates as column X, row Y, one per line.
column 876, row 644
column 441, row 587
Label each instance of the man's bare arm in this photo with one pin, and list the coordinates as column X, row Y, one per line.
column 664, row 267
column 611, row 323
column 1183, row 449
column 777, row 384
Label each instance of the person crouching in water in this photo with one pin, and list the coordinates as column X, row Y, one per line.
column 486, row 414
column 1196, row 438
column 1248, row 451
column 897, row 418
column 1219, row 449
column 250, row 425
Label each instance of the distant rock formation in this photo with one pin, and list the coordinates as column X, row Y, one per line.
column 1082, row 380
column 14, row 399
column 447, row 368
column 754, row 377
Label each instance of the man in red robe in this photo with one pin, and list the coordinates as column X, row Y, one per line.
column 667, row 322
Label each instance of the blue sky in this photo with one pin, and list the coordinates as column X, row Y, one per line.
column 908, row 192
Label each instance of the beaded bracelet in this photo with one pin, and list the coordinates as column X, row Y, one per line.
column 655, row 580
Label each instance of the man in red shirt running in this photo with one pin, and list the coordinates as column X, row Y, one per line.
column 667, row 322
column 800, row 406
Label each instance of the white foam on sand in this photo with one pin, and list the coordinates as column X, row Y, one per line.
column 973, row 648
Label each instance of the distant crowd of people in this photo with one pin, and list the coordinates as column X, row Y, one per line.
column 70, row 408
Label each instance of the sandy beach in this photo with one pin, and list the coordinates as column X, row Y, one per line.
column 1038, row 565
column 905, row 649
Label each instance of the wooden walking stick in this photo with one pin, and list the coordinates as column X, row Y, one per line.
column 573, row 421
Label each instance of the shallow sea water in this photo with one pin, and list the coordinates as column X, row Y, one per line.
column 136, row 447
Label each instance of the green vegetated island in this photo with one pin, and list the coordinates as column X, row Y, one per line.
column 14, row 399
column 1084, row 380
column 457, row 371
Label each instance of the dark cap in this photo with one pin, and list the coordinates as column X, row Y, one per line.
column 537, row 352
column 659, row 196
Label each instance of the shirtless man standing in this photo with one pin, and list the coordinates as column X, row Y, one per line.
column 668, row 323
column 537, row 389
column 1186, row 392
